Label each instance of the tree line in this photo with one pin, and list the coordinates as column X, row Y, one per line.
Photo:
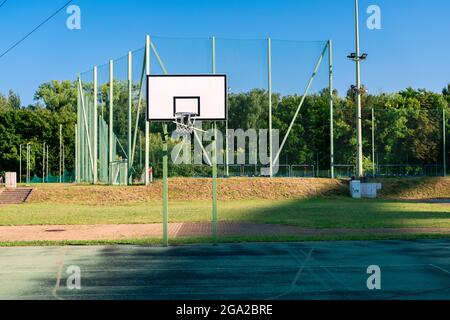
column 408, row 125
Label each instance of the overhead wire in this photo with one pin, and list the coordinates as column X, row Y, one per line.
column 35, row 29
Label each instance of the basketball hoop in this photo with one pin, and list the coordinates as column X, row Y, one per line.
column 185, row 122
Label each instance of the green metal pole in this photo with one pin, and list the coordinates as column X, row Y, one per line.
column 111, row 104
column 95, row 128
column 43, row 163
column 77, row 174
column 147, row 124
column 330, row 63
column 269, row 55
column 165, row 187
column 373, row 143
column 302, row 101
column 214, row 187
column 47, row 171
column 85, row 132
column 28, row 164
column 444, row 133
column 60, row 153
column 130, row 79
column 63, row 159
column 136, row 127
column 77, row 137
column 20, row 164
column 214, row 160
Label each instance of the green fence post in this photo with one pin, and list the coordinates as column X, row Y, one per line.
column 165, row 187
column 147, row 124
column 444, row 133
column 373, row 143
column 95, row 129
column 214, row 186
column 130, row 81
column 110, row 125
column 269, row 77
column 330, row 83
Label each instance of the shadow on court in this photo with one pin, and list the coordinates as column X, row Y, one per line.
column 316, row 270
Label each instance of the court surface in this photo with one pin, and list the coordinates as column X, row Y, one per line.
column 309, row 270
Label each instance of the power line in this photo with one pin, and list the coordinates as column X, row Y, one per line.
column 35, row 29
column 1, row 5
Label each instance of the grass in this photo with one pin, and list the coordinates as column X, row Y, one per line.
column 313, row 213
column 209, row 240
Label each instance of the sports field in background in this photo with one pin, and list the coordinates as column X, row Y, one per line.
column 281, row 209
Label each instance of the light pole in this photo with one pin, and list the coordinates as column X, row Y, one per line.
column 358, row 89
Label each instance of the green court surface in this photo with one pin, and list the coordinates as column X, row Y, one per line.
column 311, row 270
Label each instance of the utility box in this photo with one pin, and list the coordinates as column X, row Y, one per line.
column 369, row 190
column 10, row 179
column 360, row 190
column 355, row 189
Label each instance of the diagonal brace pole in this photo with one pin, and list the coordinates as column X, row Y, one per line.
column 301, row 104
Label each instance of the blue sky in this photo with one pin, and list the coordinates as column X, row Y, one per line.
column 411, row 49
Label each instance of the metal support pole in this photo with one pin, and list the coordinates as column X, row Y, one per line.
column 444, row 133
column 330, row 89
column 147, row 124
column 130, row 82
column 165, row 187
column 214, row 160
column 20, row 163
column 110, row 125
column 214, row 187
column 43, row 163
column 47, row 171
column 269, row 58
column 63, row 159
column 373, row 143
column 60, row 153
column 85, row 132
column 28, row 165
column 360, row 171
column 302, row 101
column 95, row 129
column 77, row 155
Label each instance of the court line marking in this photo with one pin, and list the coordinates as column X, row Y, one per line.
column 311, row 271
column 440, row 268
column 329, row 272
column 60, row 263
column 296, row 278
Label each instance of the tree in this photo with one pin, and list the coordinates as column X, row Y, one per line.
column 56, row 95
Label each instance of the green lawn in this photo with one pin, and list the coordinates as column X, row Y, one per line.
column 316, row 213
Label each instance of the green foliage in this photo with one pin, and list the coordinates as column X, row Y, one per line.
column 57, row 95
column 34, row 125
column 408, row 126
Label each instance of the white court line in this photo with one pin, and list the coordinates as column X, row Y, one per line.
column 60, row 264
column 329, row 272
column 296, row 278
column 310, row 269
column 440, row 268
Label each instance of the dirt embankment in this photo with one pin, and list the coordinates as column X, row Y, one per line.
column 191, row 189
column 236, row 189
column 415, row 188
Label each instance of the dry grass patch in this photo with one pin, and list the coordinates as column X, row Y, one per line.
column 191, row 189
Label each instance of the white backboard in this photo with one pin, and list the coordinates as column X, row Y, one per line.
column 204, row 95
